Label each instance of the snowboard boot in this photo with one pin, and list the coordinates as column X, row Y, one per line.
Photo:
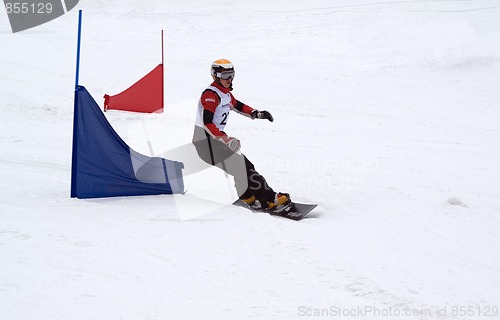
column 280, row 200
column 253, row 203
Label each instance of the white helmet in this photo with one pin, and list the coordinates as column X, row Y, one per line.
column 222, row 69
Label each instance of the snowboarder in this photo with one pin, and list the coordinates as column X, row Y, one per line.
column 217, row 148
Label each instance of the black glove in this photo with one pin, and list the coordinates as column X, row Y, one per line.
column 256, row 114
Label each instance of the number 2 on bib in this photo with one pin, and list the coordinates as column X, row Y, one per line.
column 224, row 118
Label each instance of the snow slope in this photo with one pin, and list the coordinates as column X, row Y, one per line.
column 386, row 115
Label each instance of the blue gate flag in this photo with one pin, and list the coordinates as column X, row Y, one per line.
column 103, row 165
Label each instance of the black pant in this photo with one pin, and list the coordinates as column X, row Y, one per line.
column 247, row 180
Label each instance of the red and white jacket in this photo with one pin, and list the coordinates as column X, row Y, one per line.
column 213, row 109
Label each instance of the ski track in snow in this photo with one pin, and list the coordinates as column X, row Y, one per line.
column 386, row 116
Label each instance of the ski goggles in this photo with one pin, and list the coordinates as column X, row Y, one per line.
column 225, row 75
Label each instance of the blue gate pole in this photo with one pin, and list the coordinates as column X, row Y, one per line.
column 78, row 48
column 74, row 158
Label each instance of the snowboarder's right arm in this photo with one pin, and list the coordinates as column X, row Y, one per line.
column 210, row 101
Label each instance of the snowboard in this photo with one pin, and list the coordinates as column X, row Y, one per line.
column 293, row 210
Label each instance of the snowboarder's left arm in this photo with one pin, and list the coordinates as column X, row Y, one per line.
column 240, row 107
column 248, row 111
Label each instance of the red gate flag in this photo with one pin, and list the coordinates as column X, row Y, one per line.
column 146, row 95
